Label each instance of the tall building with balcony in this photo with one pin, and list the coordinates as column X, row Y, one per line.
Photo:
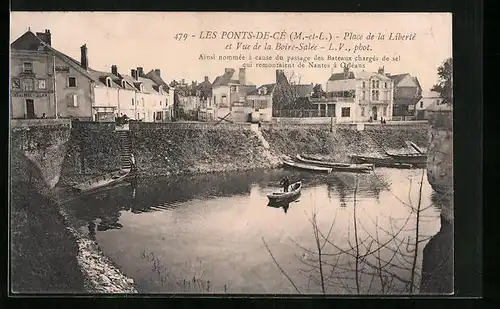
column 357, row 96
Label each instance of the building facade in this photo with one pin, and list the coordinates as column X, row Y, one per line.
column 430, row 99
column 359, row 96
column 407, row 93
column 229, row 94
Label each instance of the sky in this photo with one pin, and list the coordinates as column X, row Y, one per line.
column 146, row 39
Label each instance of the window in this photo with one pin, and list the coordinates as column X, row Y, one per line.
column 132, row 102
column 166, row 102
column 364, row 95
column 123, row 85
column 41, row 84
column 143, row 102
column 27, row 67
column 373, row 83
column 72, row 81
column 362, row 112
column 72, row 100
column 160, row 103
column 421, row 104
column 364, row 85
column 28, row 84
column 385, row 85
column 346, row 112
column 16, row 83
column 138, row 116
column 214, row 100
column 233, row 89
column 385, row 110
column 377, row 84
column 108, row 82
column 223, row 101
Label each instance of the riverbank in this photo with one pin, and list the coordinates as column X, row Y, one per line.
column 43, row 252
column 47, row 254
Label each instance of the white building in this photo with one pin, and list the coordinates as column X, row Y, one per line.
column 429, row 98
column 358, row 96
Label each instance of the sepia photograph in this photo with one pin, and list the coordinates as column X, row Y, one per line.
column 221, row 153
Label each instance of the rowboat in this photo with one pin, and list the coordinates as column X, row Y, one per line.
column 380, row 162
column 308, row 167
column 341, row 167
column 102, row 181
column 294, row 191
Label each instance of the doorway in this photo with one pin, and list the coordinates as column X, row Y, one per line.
column 30, row 109
column 374, row 113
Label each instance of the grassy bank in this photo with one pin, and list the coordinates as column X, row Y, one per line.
column 342, row 141
column 43, row 251
column 195, row 150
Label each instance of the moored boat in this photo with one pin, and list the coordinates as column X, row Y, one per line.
column 102, row 181
column 308, row 167
column 294, row 191
column 340, row 167
column 380, row 162
column 409, row 158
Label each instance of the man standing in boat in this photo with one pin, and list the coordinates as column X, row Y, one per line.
column 285, row 182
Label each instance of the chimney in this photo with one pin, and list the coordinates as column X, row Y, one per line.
column 242, row 76
column 227, row 70
column 346, row 72
column 381, row 70
column 387, row 74
column 45, row 36
column 279, row 75
column 133, row 72
column 206, row 78
column 114, row 70
column 183, row 81
column 158, row 72
column 140, row 72
column 84, row 57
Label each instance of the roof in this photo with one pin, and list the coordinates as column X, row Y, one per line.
column 269, row 88
column 158, row 80
column 356, row 75
column 341, row 76
column 398, row 77
column 27, row 41
column 430, row 94
column 303, row 90
column 406, row 101
column 98, row 77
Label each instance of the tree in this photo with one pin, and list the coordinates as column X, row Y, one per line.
column 445, row 81
column 318, row 91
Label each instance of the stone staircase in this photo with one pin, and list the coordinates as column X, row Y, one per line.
column 126, row 149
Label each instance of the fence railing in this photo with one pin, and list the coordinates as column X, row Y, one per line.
column 303, row 113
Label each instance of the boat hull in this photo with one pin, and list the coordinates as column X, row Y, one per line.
column 102, row 181
column 338, row 167
column 308, row 167
column 383, row 162
column 279, row 197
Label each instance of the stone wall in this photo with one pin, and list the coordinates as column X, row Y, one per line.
column 440, row 152
column 196, row 148
column 93, row 149
column 339, row 141
column 44, row 145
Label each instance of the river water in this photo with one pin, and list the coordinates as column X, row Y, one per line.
column 216, row 233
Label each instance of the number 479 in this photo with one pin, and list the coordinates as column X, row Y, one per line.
column 181, row 36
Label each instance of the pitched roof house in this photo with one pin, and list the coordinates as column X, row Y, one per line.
column 407, row 93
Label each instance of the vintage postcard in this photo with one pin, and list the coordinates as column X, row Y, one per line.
column 231, row 153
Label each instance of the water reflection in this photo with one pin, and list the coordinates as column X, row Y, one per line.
column 213, row 224
column 285, row 204
column 147, row 194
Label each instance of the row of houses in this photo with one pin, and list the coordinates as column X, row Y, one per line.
column 49, row 83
